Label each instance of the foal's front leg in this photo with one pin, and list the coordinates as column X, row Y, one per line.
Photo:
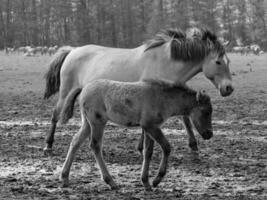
column 157, row 135
column 76, row 142
column 96, row 146
column 148, row 151
column 189, row 130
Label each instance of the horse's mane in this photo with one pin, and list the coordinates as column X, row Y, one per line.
column 191, row 46
column 167, row 85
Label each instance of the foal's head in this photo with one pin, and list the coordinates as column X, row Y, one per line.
column 201, row 115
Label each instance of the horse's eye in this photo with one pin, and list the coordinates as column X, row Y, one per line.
column 218, row 62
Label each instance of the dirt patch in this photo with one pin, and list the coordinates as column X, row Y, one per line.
column 232, row 165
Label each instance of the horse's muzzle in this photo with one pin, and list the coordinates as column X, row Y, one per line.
column 207, row 134
column 226, row 90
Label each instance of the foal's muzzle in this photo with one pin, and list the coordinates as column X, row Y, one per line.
column 207, row 134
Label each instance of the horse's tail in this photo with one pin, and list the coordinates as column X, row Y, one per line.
column 53, row 74
column 67, row 110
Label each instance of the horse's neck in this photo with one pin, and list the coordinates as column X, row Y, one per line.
column 158, row 65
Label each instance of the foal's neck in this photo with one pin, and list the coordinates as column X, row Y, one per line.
column 185, row 101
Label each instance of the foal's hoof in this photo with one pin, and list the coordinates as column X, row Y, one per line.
column 114, row 187
column 193, row 146
column 64, row 181
column 156, row 181
column 48, row 151
column 148, row 188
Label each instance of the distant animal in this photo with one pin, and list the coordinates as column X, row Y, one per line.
column 243, row 50
column 9, row 50
column 148, row 104
column 255, row 49
column 52, row 50
column 173, row 55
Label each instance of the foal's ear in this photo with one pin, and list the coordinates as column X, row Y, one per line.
column 202, row 97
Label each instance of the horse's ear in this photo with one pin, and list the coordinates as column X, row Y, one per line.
column 201, row 96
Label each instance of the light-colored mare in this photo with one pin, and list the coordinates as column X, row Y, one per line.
column 172, row 55
column 147, row 104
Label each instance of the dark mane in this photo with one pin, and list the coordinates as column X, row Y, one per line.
column 167, row 85
column 192, row 46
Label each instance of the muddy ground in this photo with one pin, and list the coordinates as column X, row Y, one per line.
column 232, row 165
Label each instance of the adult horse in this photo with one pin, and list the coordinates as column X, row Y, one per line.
column 172, row 55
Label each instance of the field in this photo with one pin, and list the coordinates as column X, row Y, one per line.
column 232, row 165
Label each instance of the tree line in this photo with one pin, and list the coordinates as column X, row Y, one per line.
column 126, row 23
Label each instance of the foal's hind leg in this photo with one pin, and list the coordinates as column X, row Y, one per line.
column 148, row 151
column 50, row 135
column 96, row 146
column 189, row 130
column 76, row 142
column 157, row 135
column 140, row 144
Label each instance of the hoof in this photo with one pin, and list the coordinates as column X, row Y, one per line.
column 148, row 188
column 114, row 187
column 193, row 146
column 194, row 153
column 156, row 181
column 48, row 151
column 64, row 181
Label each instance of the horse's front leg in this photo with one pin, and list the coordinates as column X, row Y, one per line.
column 96, row 146
column 148, row 151
column 189, row 130
column 157, row 135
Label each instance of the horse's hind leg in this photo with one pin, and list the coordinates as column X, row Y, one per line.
column 189, row 130
column 157, row 135
column 96, row 146
column 76, row 142
column 51, row 134
column 148, row 151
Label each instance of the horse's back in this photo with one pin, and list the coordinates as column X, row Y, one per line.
column 92, row 62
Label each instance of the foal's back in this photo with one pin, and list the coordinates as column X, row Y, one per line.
column 129, row 103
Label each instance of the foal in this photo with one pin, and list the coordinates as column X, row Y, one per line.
column 147, row 104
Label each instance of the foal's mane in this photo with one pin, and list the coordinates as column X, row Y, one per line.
column 191, row 46
column 167, row 85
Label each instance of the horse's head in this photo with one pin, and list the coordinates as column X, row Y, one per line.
column 201, row 115
column 216, row 69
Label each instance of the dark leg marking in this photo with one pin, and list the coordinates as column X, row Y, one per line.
column 128, row 102
column 98, row 116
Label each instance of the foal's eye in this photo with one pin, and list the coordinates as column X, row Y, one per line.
column 218, row 62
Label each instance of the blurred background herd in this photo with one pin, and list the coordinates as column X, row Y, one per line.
column 41, row 26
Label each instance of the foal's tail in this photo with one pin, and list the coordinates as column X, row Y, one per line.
column 67, row 110
column 53, row 74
